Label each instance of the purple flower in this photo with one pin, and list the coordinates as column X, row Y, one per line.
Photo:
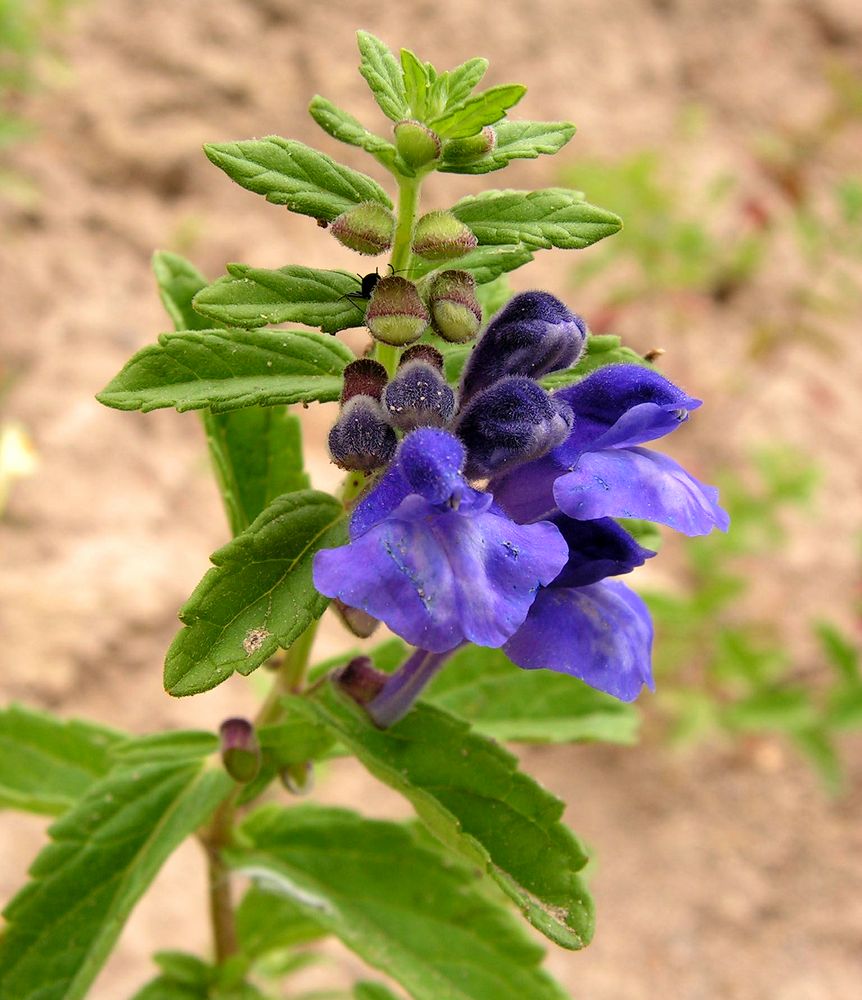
column 600, row 470
column 434, row 558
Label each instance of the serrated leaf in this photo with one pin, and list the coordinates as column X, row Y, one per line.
column 266, row 922
column 383, row 75
column 290, row 173
column 254, row 296
column 516, row 141
column 415, row 77
column 553, row 217
column 533, row 706
column 259, row 595
column 474, row 113
column 461, row 81
column 179, row 281
column 343, row 126
column 392, row 902
column 484, row 263
column 602, row 349
column 229, row 369
column 469, row 792
column 47, row 764
column 104, row 854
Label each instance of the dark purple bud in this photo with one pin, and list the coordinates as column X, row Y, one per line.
column 424, row 352
column 440, row 236
column 240, row 750
column 298, row 779
column 357, row 621
column 367, row 228
column 362, row 439
column 416, row 143
column 532, row 335
column 431, row 462
column 360, row 679
column 462, row 151
column 455, row 311
column 418, row 396
column 396, row 314
column 364, row 377
column 513, row 421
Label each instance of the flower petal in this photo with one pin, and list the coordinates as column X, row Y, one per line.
column 597, row 549
column 637, row 482
column 438, row 578
column 601, row 634
column 527, row 492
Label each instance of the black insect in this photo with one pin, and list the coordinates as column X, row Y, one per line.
column 367, row 284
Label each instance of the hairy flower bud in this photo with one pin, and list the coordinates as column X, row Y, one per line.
column 417, row 144
column 513, row 421
column 364, row 377
column 440, row 236
column 460, row 152
column 431, row 461
column 455, row 311
column 355, row 620
column 425, row 352
column 396, row 314
column 533, row 334
column 368, row 228
column 418, row 396
column 240, row 750
column 361, row 439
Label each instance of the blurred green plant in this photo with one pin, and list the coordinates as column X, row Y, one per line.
column 722, row 670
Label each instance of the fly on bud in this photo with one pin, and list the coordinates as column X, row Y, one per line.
column 460, row 152
column 396, row 314
column 416, row 143
column 240, row 750
column 368, row 228
column 440, row 236
column 455, row 311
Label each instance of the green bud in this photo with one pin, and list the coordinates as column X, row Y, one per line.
column 396, row 314
column 416, row 143
column 455, row 311
column 240, row 751
column 298, row 779
column 440, row 236
column 463, row 151
column 368, row 228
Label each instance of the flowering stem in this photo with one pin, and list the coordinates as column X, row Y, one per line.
column 404, row 687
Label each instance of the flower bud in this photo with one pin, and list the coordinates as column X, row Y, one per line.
column 240, row 750
column 368, row 228
column 416, row 143
column 431, row 461
column 440, row 236
column 364, row 377
column 360, row 679
column 460, row 152
column 298, row 779
column 513, row 421
column 455, row 311
column 418, row 396
column 533, row 334
column 361, row 439
column 357, row 621
column 396, row 314
column 425, row 352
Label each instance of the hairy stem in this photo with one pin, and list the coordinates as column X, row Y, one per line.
column 216, row 837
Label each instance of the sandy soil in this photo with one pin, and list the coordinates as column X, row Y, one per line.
column 720, row 874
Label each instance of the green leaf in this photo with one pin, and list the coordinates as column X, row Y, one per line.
column 165, row 988
column 423, row 922
column 104, row 854
column 534, row 706
column 783, row 709
column 295, row 740
column 290, row 173
column 47, row 764
column 602, row 349
column 553, row 217
column 258, row 597
column 469, row 792
column 169, row 747
column 266, row 922
column 179, row 281
column 474, row 113
column 516, row 141
column 840, row 652
column 484, row 263
column 461, row 81
column 369, row 990
column 343, row 126
column 415, row 77
column 229, row 369
column 383, row 75
column 254, row 296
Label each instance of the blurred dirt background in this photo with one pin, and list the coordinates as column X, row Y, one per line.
column 721, row 872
